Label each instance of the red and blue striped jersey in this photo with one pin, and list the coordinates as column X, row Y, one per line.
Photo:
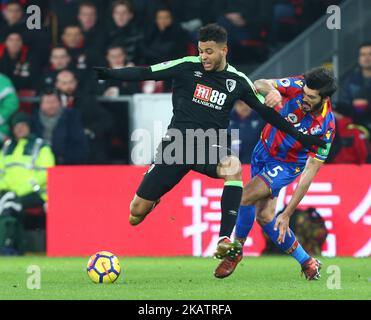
column 285, row 148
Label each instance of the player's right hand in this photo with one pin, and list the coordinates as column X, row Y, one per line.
column 273, row 98
column 102, row 73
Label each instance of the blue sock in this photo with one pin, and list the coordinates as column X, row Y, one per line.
column 291, row 246
column 245, row 221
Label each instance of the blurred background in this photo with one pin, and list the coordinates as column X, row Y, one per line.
column 55, row 115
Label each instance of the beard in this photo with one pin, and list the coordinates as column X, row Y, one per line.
column 317, row 107
column 217, row 65
column 312, row 109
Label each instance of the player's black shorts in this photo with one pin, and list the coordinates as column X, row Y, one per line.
column 161, row 177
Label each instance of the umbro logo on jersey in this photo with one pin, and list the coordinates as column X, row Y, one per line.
column 231, row 84
column 198, row 74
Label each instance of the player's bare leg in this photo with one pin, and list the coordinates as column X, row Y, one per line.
column 140, row 208
column 230, row 170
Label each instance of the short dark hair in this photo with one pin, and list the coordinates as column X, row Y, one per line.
column 115, row 46
column 321, row 79
column 16, row 2
column 49, row 91
column 364, row 44
column 72, row 25
column 13, row 30
column 59, row 46
column 125, row 3
column 213, row 32
column 87, row 3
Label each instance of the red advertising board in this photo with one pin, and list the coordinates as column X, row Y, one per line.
column 88, row 211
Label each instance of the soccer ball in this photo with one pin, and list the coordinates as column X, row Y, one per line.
column 103, row 267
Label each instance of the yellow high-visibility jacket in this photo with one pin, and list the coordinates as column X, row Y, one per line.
column 23, row 166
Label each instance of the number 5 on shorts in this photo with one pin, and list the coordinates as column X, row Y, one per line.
column 274, row 172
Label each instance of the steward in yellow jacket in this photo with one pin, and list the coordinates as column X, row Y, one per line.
column 24, row 161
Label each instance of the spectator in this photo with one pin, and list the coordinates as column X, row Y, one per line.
column 61, row 128
column 246, row 23
column 13, row 19
column 17, row 62
column 123, row 30
column 59, row 60
column 36, row 40
column 94, row 34
column 67, row 11
column 24, row 161
column 82, row 58
column 351, row 143
column 249, row 125
column 355, row 96
column 73, row 40
column 116, row 58
column 165, row 40
column 118, row 136
column 8, row 105
column 95, row 120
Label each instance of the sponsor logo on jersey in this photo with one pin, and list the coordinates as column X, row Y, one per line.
column 292, row 117
column 324, row 151
column 315, row 130
column 231, row 84
column 198, row 74
column 203, row 92
column 209, row 97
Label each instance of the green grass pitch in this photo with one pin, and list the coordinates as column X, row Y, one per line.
column 184, row 278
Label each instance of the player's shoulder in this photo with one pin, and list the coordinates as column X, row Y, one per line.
column 239, row 76
column 297, row 82
column 181, row 62
column 327, row 115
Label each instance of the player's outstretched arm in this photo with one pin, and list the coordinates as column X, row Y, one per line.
column 160, row 71
column 266, row 88
column 251, row 97
column 311, row 169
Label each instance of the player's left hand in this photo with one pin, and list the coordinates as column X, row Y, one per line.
column 282, row 223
